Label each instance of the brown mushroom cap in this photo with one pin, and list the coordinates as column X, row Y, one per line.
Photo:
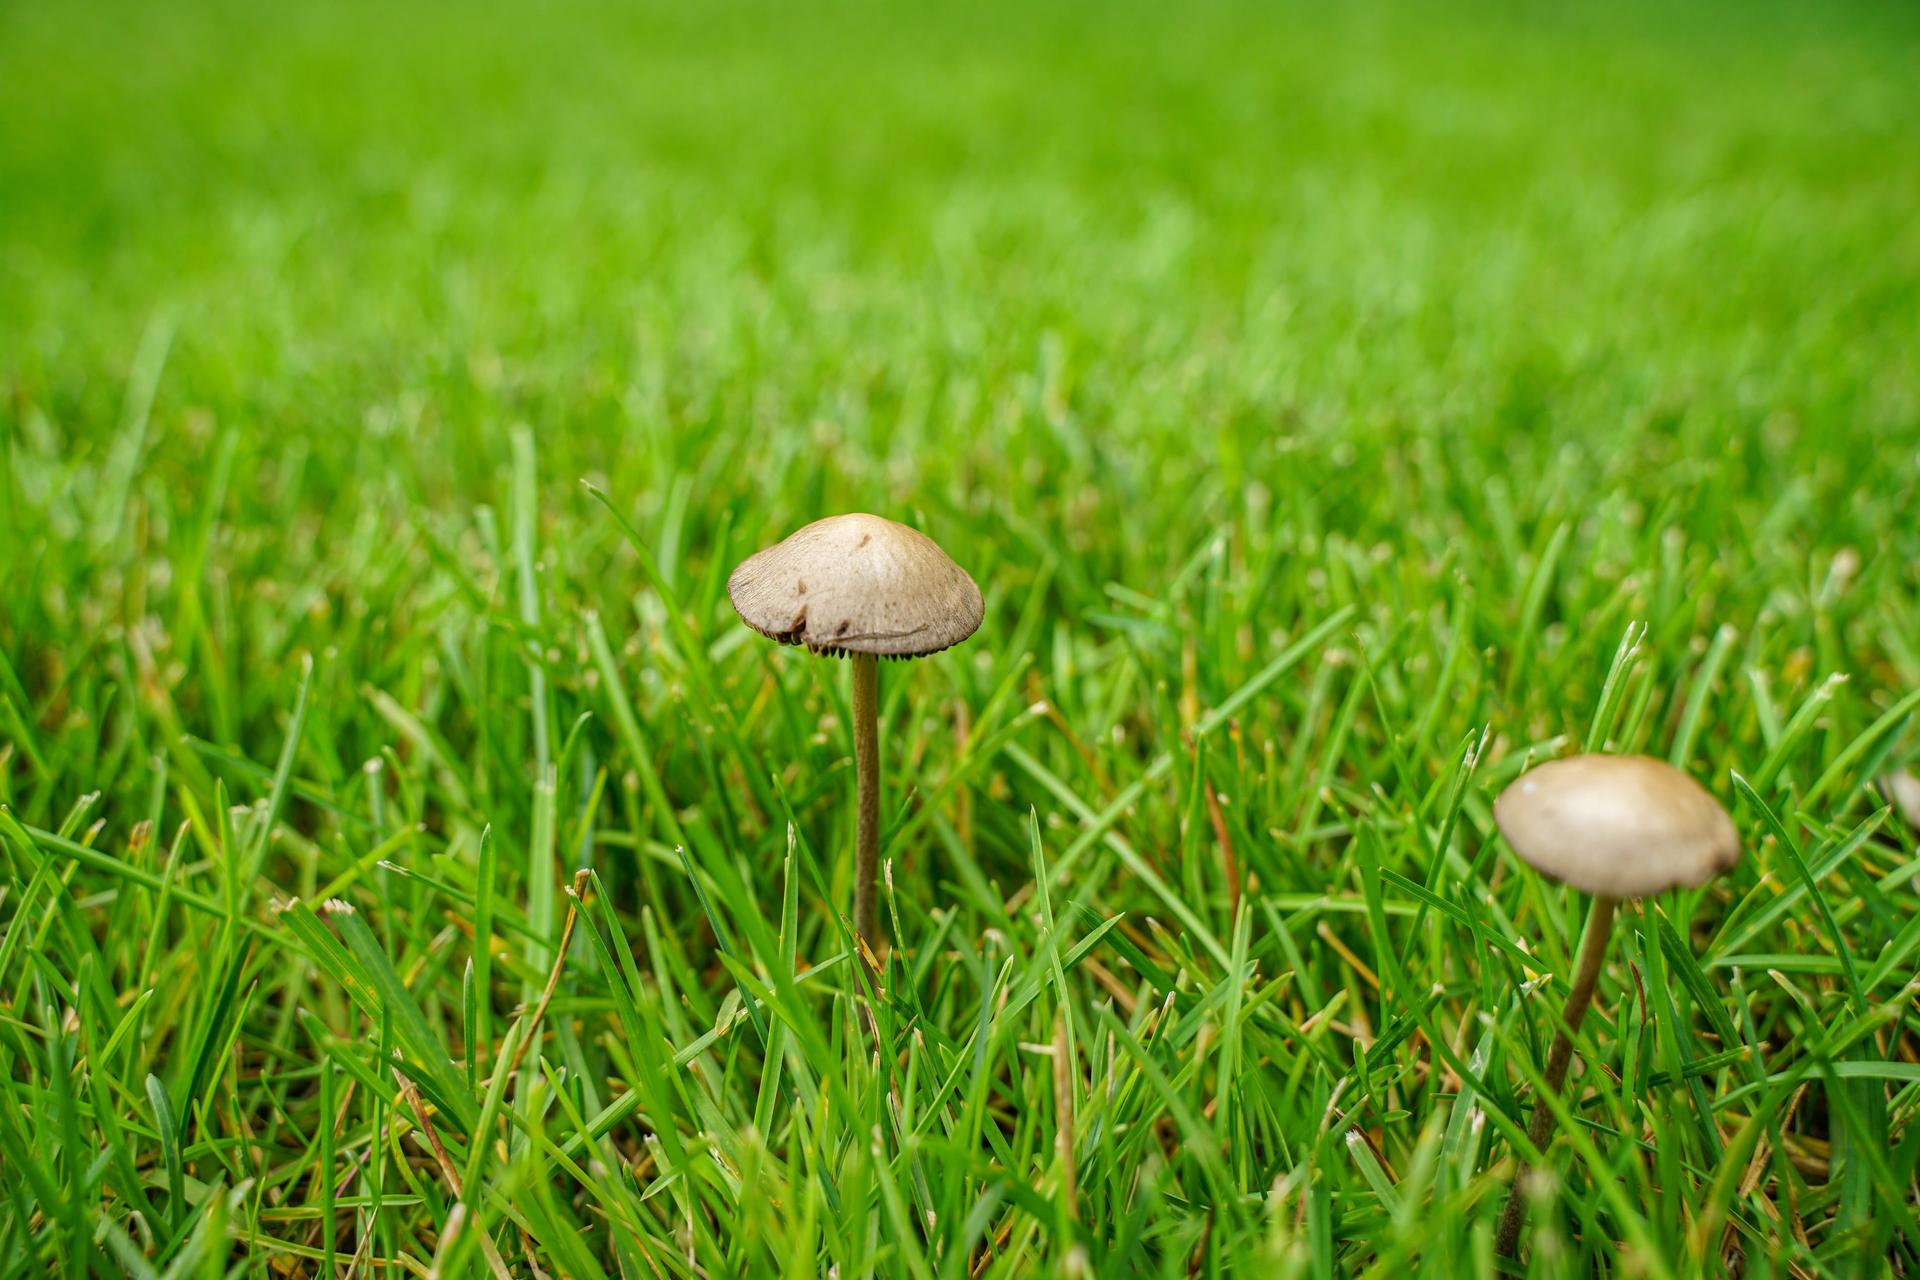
column 1617, row 826
column 857, row 584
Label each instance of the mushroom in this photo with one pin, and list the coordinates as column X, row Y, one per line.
column 1904, row 789
column 866, row 588
column 1613, row 827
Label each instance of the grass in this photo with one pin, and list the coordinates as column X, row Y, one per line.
column 1338, row 409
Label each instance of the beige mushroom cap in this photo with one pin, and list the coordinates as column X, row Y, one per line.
column 857, row 584
column 1905, row 790
column 1617, row 826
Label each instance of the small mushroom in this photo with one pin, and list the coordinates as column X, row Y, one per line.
column 1904, row 789
column 1613, row 827
column 866, row 588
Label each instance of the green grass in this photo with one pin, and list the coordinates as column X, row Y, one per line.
column 1338, row 409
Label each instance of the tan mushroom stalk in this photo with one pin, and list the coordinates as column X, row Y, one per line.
column 1614, row 827
column 865, row 588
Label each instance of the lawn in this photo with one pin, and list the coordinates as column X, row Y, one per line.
column 410, row 866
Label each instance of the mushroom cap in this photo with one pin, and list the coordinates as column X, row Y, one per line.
column 1617, row 826
column 1905, row 789
column 857, row 584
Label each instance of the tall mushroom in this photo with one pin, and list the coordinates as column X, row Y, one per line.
column 1614, row 827
column 866, row 588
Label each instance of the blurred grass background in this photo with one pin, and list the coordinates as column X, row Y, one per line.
column 1504, row 324
column 1491, row 262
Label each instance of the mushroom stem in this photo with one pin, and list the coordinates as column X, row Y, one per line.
column 866, row 759
column 1593, row 953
